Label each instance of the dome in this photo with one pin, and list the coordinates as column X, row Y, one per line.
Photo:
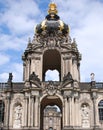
column 52, row 22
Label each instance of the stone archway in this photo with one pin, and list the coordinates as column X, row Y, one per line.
column 50, row 112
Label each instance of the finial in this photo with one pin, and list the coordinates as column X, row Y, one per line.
column 52, row 8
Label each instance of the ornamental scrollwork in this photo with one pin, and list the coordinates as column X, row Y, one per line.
column 51, row 88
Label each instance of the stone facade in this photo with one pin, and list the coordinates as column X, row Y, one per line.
column 30, row 105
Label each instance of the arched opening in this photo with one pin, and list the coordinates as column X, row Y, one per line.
column 2, row 108
column 51, row 61
column 51, row 113
column 52, row 75
column 100, row 110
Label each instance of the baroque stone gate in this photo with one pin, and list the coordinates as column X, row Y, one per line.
column 37, row 104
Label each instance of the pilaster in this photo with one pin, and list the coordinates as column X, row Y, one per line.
column 36, row 112
column 8, row 114
column 94, row 97
column 26, row 111
column 29, row 112
column 32, row 111
column 66, row 112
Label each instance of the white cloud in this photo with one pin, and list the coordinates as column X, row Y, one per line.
column 12, row 42
column 85, row 18
column 17, row 21
column 19, row 16
column 16, row 69
column 4, row 77
column 4, row 59
column 52, row 75
column 17, row 72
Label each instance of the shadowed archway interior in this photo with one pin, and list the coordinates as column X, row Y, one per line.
column 51, row 61
column 52, row 102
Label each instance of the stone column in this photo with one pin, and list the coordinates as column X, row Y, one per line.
column 29, row 112
column 62, row 68
column 36, row 111
column 24, row 71
column 26, row 112
column 22, row 113
column 75, row 75
column 29, row 66
column 94, row 97
column 70, row 101
column 41, row 67
column 72, row 112
column 37, row 65
column 78, row 67
column 76, row 113
column 65, row 111
column 70, row 67
column 32, row 111
column 7, row 123
column 68, row 111
column 97, row 115
column 59, row 124
column 94, row 113
column 64, row 65
column 63, row 116
column 7, row 111
column 32, row 65
column 67, row 66
column 28, row 69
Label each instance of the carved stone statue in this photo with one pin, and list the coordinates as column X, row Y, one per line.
column 68, row 77
column 17, row 117
column 92, row 76
column 10, row 77
column 85, row 116
column 34, row 77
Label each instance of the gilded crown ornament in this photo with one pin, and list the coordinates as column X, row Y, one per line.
column 52, row 8
column 52, row 23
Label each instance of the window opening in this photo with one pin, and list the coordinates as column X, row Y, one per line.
column 100, row 110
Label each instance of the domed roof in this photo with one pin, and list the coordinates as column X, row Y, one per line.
column 52, row 22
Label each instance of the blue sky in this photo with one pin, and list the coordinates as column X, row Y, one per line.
column 18, row 19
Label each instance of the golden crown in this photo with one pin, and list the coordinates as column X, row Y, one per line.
column 52, row 8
